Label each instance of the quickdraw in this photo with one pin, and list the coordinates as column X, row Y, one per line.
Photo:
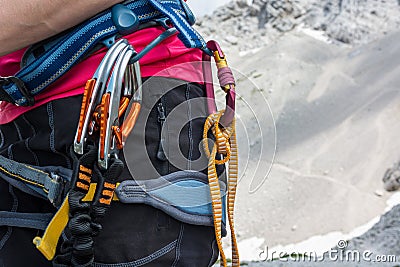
column 114, row 90
column 222, row 125
column 102, row 104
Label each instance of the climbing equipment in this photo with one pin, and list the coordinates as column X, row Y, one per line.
column 101, row 107
column 69, row 48
column 222, row 126
column 110, row 107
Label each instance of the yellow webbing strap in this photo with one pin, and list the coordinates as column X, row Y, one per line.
column 226, row 144
column 47, row 244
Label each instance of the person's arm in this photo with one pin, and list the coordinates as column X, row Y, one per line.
column 26, row 22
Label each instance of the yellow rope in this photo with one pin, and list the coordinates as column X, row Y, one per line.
column 226, row 144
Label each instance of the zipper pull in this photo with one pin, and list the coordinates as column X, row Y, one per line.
column 161, row 118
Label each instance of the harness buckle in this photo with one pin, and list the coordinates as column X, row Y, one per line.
column 7, row 81
column 56, row 197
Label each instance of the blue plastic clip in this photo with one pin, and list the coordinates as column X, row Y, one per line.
column 124, row 19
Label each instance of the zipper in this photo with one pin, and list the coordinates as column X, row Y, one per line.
column 162, row 144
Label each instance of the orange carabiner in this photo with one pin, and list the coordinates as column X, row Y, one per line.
column 104, row 106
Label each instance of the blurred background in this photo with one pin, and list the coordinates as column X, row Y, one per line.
column 318, row 86
column 204, row 7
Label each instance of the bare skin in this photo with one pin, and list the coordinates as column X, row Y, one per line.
column 27, row 22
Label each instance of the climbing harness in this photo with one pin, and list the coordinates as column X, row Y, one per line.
column 107, row 97
column 69, row 48
column 110, row 107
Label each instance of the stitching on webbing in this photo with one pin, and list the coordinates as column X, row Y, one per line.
column 140, row 262
column 178, row 246
column 50, row 112
column 190, row 130
column 14, row 208
column 35, row 157
column 2, row 139
column 71, row 60
column 18, row 130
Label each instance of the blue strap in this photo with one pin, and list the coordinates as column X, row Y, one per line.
column 189, row 36
column 74, row 45
column 25, row 220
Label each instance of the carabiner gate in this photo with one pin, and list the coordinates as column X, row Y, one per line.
column 114, row 90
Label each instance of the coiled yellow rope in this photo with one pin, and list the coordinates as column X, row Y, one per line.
column 226, row 144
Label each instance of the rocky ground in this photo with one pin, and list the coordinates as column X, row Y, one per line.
column 359, row 252
column 252, row 25
column 318, row 97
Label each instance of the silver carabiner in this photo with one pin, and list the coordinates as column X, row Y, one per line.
column 110, row 106
column 94, row 90
column 114, row 89
column 132, row 112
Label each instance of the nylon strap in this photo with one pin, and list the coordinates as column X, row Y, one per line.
column 226, row 144
column 92, row 191
column 189, row 36
column 25, row 220
column 74, row 45
column 41, row 182
column 48, row 243
column 84, row 221
column 222, row 125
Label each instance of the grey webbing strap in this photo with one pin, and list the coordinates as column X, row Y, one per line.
column 25, row 220
column 51, row 186
column 24, row 187
column 184, row 195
